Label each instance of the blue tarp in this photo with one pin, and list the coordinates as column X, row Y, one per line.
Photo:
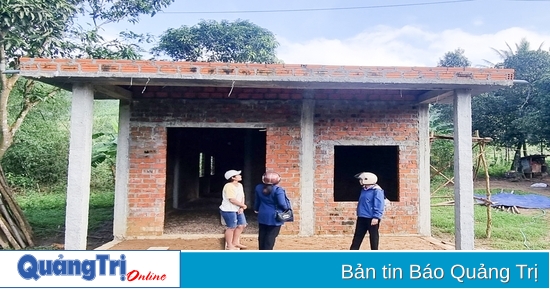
column 531, row 201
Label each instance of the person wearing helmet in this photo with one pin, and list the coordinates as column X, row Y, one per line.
column 270, row 197
column 232, row 210
column 370, row 209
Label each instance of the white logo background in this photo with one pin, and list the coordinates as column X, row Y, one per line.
column 154, row 262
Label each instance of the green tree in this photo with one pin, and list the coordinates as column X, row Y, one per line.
column 441, row 116
column 454, row 59
column 45, row 28
column 516, row 116
column 37, row 159
column 88, row 41
column 238, row 41
column 104, row 148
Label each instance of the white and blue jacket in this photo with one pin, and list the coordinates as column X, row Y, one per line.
column 371, row 202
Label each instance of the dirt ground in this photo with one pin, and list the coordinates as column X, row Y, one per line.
column 287, row 243
column 518, row 185
column 212, row 240
column 284, row 242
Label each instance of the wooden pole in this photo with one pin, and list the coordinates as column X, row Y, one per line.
column 488, row 191
column 15, row 231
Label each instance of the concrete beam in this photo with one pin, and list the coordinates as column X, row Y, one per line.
column 424, row 208
column 122, row 171
column 463, row 173
column 113, row 91
column 80, row 155
column 307, row 169
column 436, row 96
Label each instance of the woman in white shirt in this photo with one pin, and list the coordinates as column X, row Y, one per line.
column 232, row 210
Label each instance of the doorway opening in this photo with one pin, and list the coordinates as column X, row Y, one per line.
column 383, row 161
column 197, row 159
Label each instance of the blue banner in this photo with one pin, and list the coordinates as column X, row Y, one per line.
column 364, row 269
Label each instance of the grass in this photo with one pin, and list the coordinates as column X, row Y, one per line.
column 528, row 230
column 46, row 212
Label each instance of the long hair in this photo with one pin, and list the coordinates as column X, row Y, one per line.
column 267, row 189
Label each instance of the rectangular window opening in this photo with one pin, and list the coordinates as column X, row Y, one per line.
column 383, row 161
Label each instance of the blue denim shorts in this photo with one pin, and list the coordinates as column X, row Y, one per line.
column 232, row 219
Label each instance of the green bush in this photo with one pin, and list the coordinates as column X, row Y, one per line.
column 38, row 155
column 38, row 158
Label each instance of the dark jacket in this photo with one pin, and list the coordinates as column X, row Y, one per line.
column 371, row 203
column 267, row 205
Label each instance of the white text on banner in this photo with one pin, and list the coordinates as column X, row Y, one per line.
column 365, row 269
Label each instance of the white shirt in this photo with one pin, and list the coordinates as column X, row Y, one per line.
column 231, row 191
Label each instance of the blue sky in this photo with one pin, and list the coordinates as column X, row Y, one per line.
column 397, row 33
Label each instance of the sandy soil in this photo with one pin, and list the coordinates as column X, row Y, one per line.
column 287, row 243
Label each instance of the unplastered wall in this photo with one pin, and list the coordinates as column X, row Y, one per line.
column 355, row 120
column 365, row 123
column 149, row 119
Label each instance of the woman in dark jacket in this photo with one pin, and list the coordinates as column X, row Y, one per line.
column 270, row 198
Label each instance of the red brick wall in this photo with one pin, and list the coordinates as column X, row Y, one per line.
column 147, row 180
column 365, row 123
column 280, row 110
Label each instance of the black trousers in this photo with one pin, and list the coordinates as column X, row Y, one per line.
column 267, row 235
column 361, row 227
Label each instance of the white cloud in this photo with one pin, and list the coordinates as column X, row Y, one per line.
column 478, row 22
column 405, row 46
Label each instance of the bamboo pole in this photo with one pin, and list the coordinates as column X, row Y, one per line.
column 9, row 236
column 10, row 224
column 15, row 210
column 488, row 191
column 4, row 242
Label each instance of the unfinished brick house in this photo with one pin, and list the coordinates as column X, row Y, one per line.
column 183, row 124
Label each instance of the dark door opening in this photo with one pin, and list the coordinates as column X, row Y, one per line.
column 350, row 160
column 197, row 159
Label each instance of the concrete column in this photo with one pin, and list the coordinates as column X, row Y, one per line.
column 78, row 179
column 463, row 171
column 424, row 208
column 307, row 169
column 122, row 170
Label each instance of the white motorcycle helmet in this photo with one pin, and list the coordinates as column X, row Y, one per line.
column 366, row 178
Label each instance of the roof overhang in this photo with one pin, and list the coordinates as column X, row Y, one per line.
column 111, row 78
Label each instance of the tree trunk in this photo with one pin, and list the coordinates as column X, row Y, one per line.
column 517, row 156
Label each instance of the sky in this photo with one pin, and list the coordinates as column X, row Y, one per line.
column 374, row 32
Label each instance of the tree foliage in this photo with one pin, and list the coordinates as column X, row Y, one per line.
column 88, row 41
column 517, row 115
column 45, row 28
column 38, row 157
column 454, row 59
column 238, row 41
column 441, row 115
column 33, row 28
